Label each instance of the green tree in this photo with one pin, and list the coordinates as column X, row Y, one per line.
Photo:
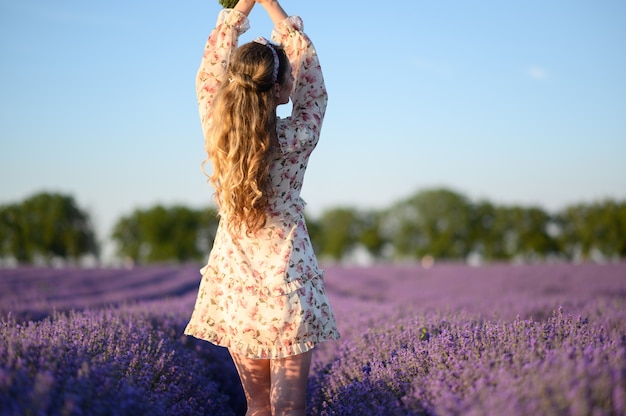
column 369, row 232
column 432, row 222
column 337, row 232
column 486, row 232
column 13, row 241
column 503, row 233
column 161, row 234
column 598, row 226
column 525, row 232
column 619, row 224
column 46, row 226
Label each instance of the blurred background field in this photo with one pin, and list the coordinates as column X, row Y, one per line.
column 494, row 291
column 444, row 339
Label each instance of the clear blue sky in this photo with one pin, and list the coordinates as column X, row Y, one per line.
column 517, row 102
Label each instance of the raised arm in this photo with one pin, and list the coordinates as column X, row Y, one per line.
column 231, row 23
column 309, row 96
column 245, row 6
column 274, row 10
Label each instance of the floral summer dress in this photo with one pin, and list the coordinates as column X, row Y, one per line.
column 263, row 296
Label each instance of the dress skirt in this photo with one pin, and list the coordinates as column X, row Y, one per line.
column 263, row 296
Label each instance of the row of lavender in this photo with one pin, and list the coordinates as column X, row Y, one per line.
column 448, row 340
column 31, row 293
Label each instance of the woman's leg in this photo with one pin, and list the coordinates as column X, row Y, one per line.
column 289, row 380
column 256, row 380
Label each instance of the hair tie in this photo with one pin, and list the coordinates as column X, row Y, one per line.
column 261, row 40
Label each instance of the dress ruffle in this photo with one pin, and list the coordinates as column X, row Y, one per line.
column 268, row 337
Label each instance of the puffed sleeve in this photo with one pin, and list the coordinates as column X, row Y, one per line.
column 222, row 42
column 309, row 96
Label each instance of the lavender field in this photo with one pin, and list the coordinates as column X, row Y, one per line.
column 544, row 339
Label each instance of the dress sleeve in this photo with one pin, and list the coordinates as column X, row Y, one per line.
column 309, row 96
column 219, row 47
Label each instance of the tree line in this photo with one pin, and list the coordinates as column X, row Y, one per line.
column 435, row 223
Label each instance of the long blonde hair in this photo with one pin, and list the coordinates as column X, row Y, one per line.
column 238, row 142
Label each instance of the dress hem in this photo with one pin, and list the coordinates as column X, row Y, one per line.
column 263, row 352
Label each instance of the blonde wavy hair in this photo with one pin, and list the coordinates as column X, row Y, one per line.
column 239, row 140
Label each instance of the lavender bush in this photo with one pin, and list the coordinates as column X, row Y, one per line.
column 453, row 364
column 127, row 361
column 449, row 340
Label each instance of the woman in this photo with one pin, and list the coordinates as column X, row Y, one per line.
column 262, row 293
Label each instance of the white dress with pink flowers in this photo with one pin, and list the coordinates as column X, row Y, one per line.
column 263, row 296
